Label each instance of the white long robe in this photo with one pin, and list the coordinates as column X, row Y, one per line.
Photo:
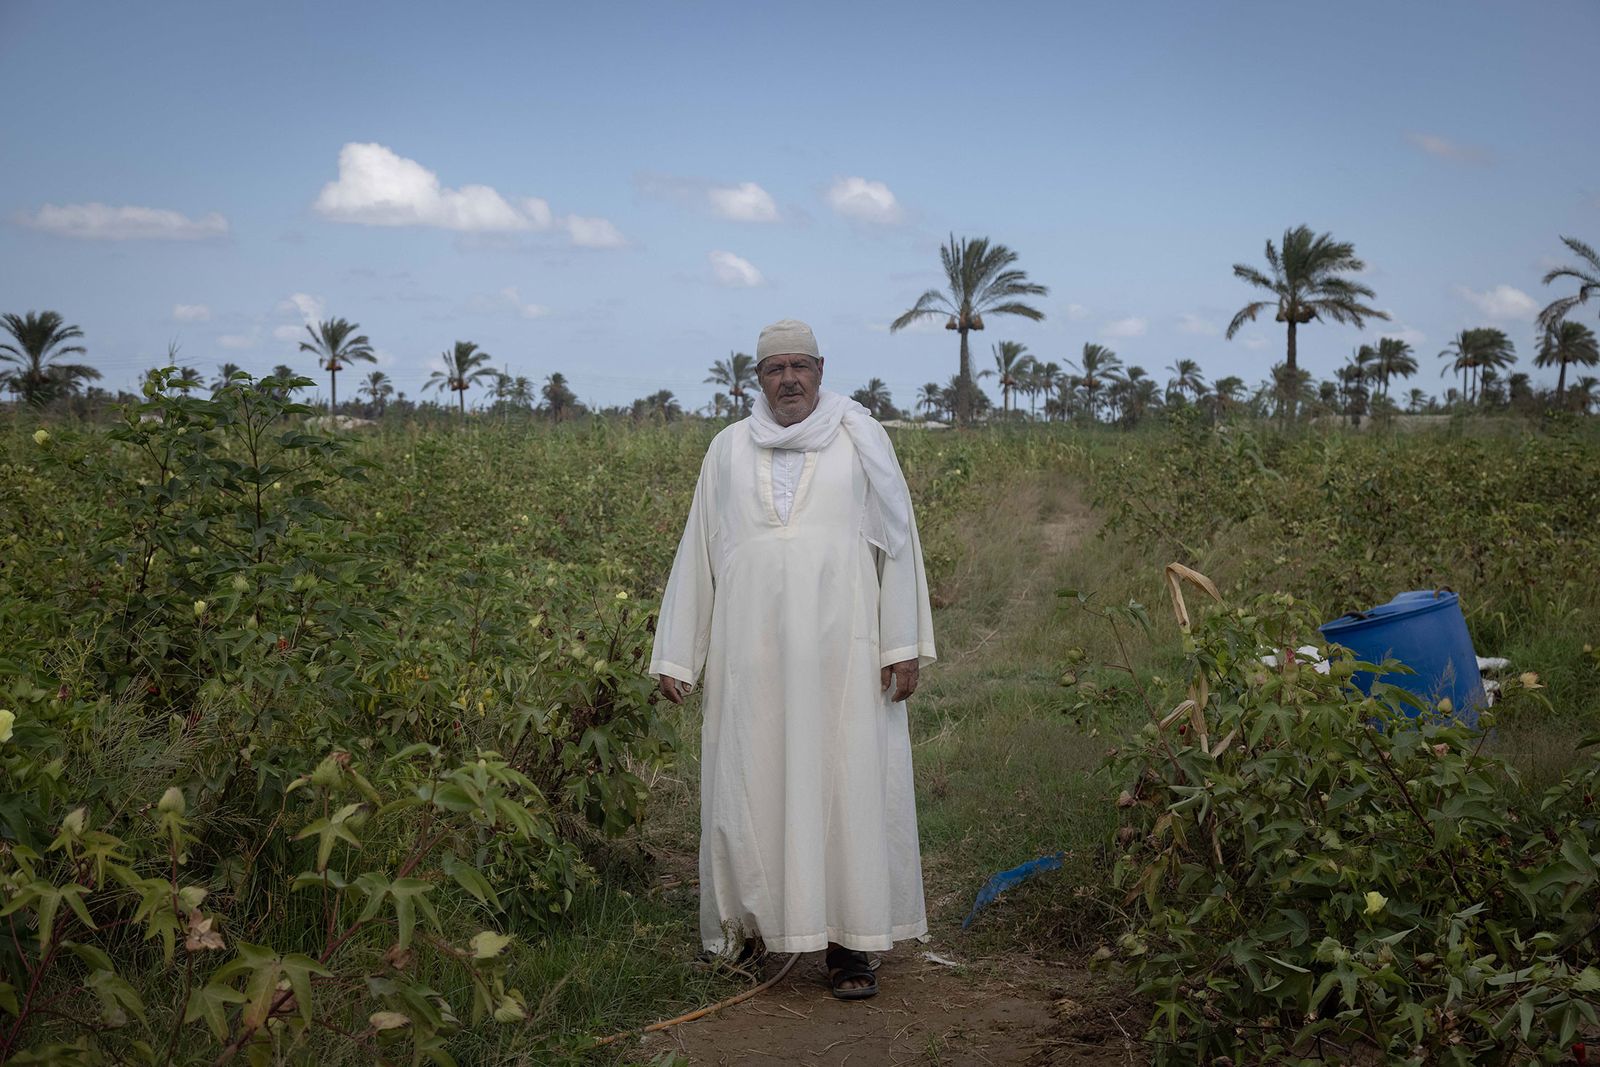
column 808, row 814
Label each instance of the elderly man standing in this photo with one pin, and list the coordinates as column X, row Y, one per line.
column 799, row 587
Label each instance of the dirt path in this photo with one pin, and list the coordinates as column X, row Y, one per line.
column 926, row 1014
column 990, row 1011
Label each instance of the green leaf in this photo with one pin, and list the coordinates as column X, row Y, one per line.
column 210, row 1003
column 299, row 970
column 116, row 996
column 470, row 879
column 94, row 957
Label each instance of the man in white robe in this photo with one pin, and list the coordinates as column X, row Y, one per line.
column 799, row 588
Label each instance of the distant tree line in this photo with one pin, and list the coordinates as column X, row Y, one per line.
column 1307, row 278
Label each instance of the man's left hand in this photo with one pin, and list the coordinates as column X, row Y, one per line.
column 903, row 675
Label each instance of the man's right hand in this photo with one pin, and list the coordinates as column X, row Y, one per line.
column 673, row 689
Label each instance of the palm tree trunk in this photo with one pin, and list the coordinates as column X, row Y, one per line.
column 1561, row 387
column 964, row 382
column 461, row 397
column 1290, row 403
column 333, row 390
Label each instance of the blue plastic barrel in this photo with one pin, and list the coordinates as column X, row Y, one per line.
column 1425, row 630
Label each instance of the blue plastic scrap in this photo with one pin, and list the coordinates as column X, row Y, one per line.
column 1008, row 879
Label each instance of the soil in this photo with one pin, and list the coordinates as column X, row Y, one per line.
column 992, row 1012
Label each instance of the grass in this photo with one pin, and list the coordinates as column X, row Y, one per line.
column 1004, row 774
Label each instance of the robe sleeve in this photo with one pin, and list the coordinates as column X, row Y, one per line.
column 683, row 627
column 905, row 619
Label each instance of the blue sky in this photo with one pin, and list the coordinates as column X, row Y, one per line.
column 624, row 192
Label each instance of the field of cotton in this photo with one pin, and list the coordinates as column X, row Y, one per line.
column 343, row 743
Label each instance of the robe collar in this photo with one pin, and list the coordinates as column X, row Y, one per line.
column 888, row 497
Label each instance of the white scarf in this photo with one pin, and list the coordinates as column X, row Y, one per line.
column 888, row 498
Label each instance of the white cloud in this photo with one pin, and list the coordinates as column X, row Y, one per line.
column 102, row 222
column 191, row 313
column 1077, row 312
column 1198, row 326
column 1402, row 331
column 734, row 271
column 537, row 212
column 237, row 340
column 1133, row 326
column 593, row 232
column 1501, row 302
column 1255, row 342
column 289, row 333
column 1444, row 148
column 864, row 201
column 308, row 307
column 378, row 187
column 746, row 202
column 510, row 300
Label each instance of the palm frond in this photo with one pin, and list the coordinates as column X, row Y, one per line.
column 1245, row 272
column 929, row 303
column 1246, row 314
column 1015, row 308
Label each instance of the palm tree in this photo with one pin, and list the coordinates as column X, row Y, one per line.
column 1186, row 378
column 464, row 365
column 1392, row 358
column 336, row 344
column 874, row 396
column 736, row 372
column 38, row 341
column 1047, row 377
column 1492, row 352
column 1132, row 395
column 1416, row 400
column 378, row 389
column 1586, row 274
column 1011, row 363
column 1291, row 386
column 1472, row 351
column 929, row 398
column 1227, row 392
column 558, row 398
column 187, row 379
column 1459, row 353
column 1584, row 391
column 225, row 372
column 1565, row 343
column 1352, row 381
column 1520, row 388
column 1307, row 282
column 982, row 281
column 521, row 395
column 284, row 373
column 1096, row 363
column 660, row 404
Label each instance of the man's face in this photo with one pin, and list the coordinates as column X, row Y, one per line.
column 790, row 384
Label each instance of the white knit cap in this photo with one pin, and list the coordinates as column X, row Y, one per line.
column 786, row 337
